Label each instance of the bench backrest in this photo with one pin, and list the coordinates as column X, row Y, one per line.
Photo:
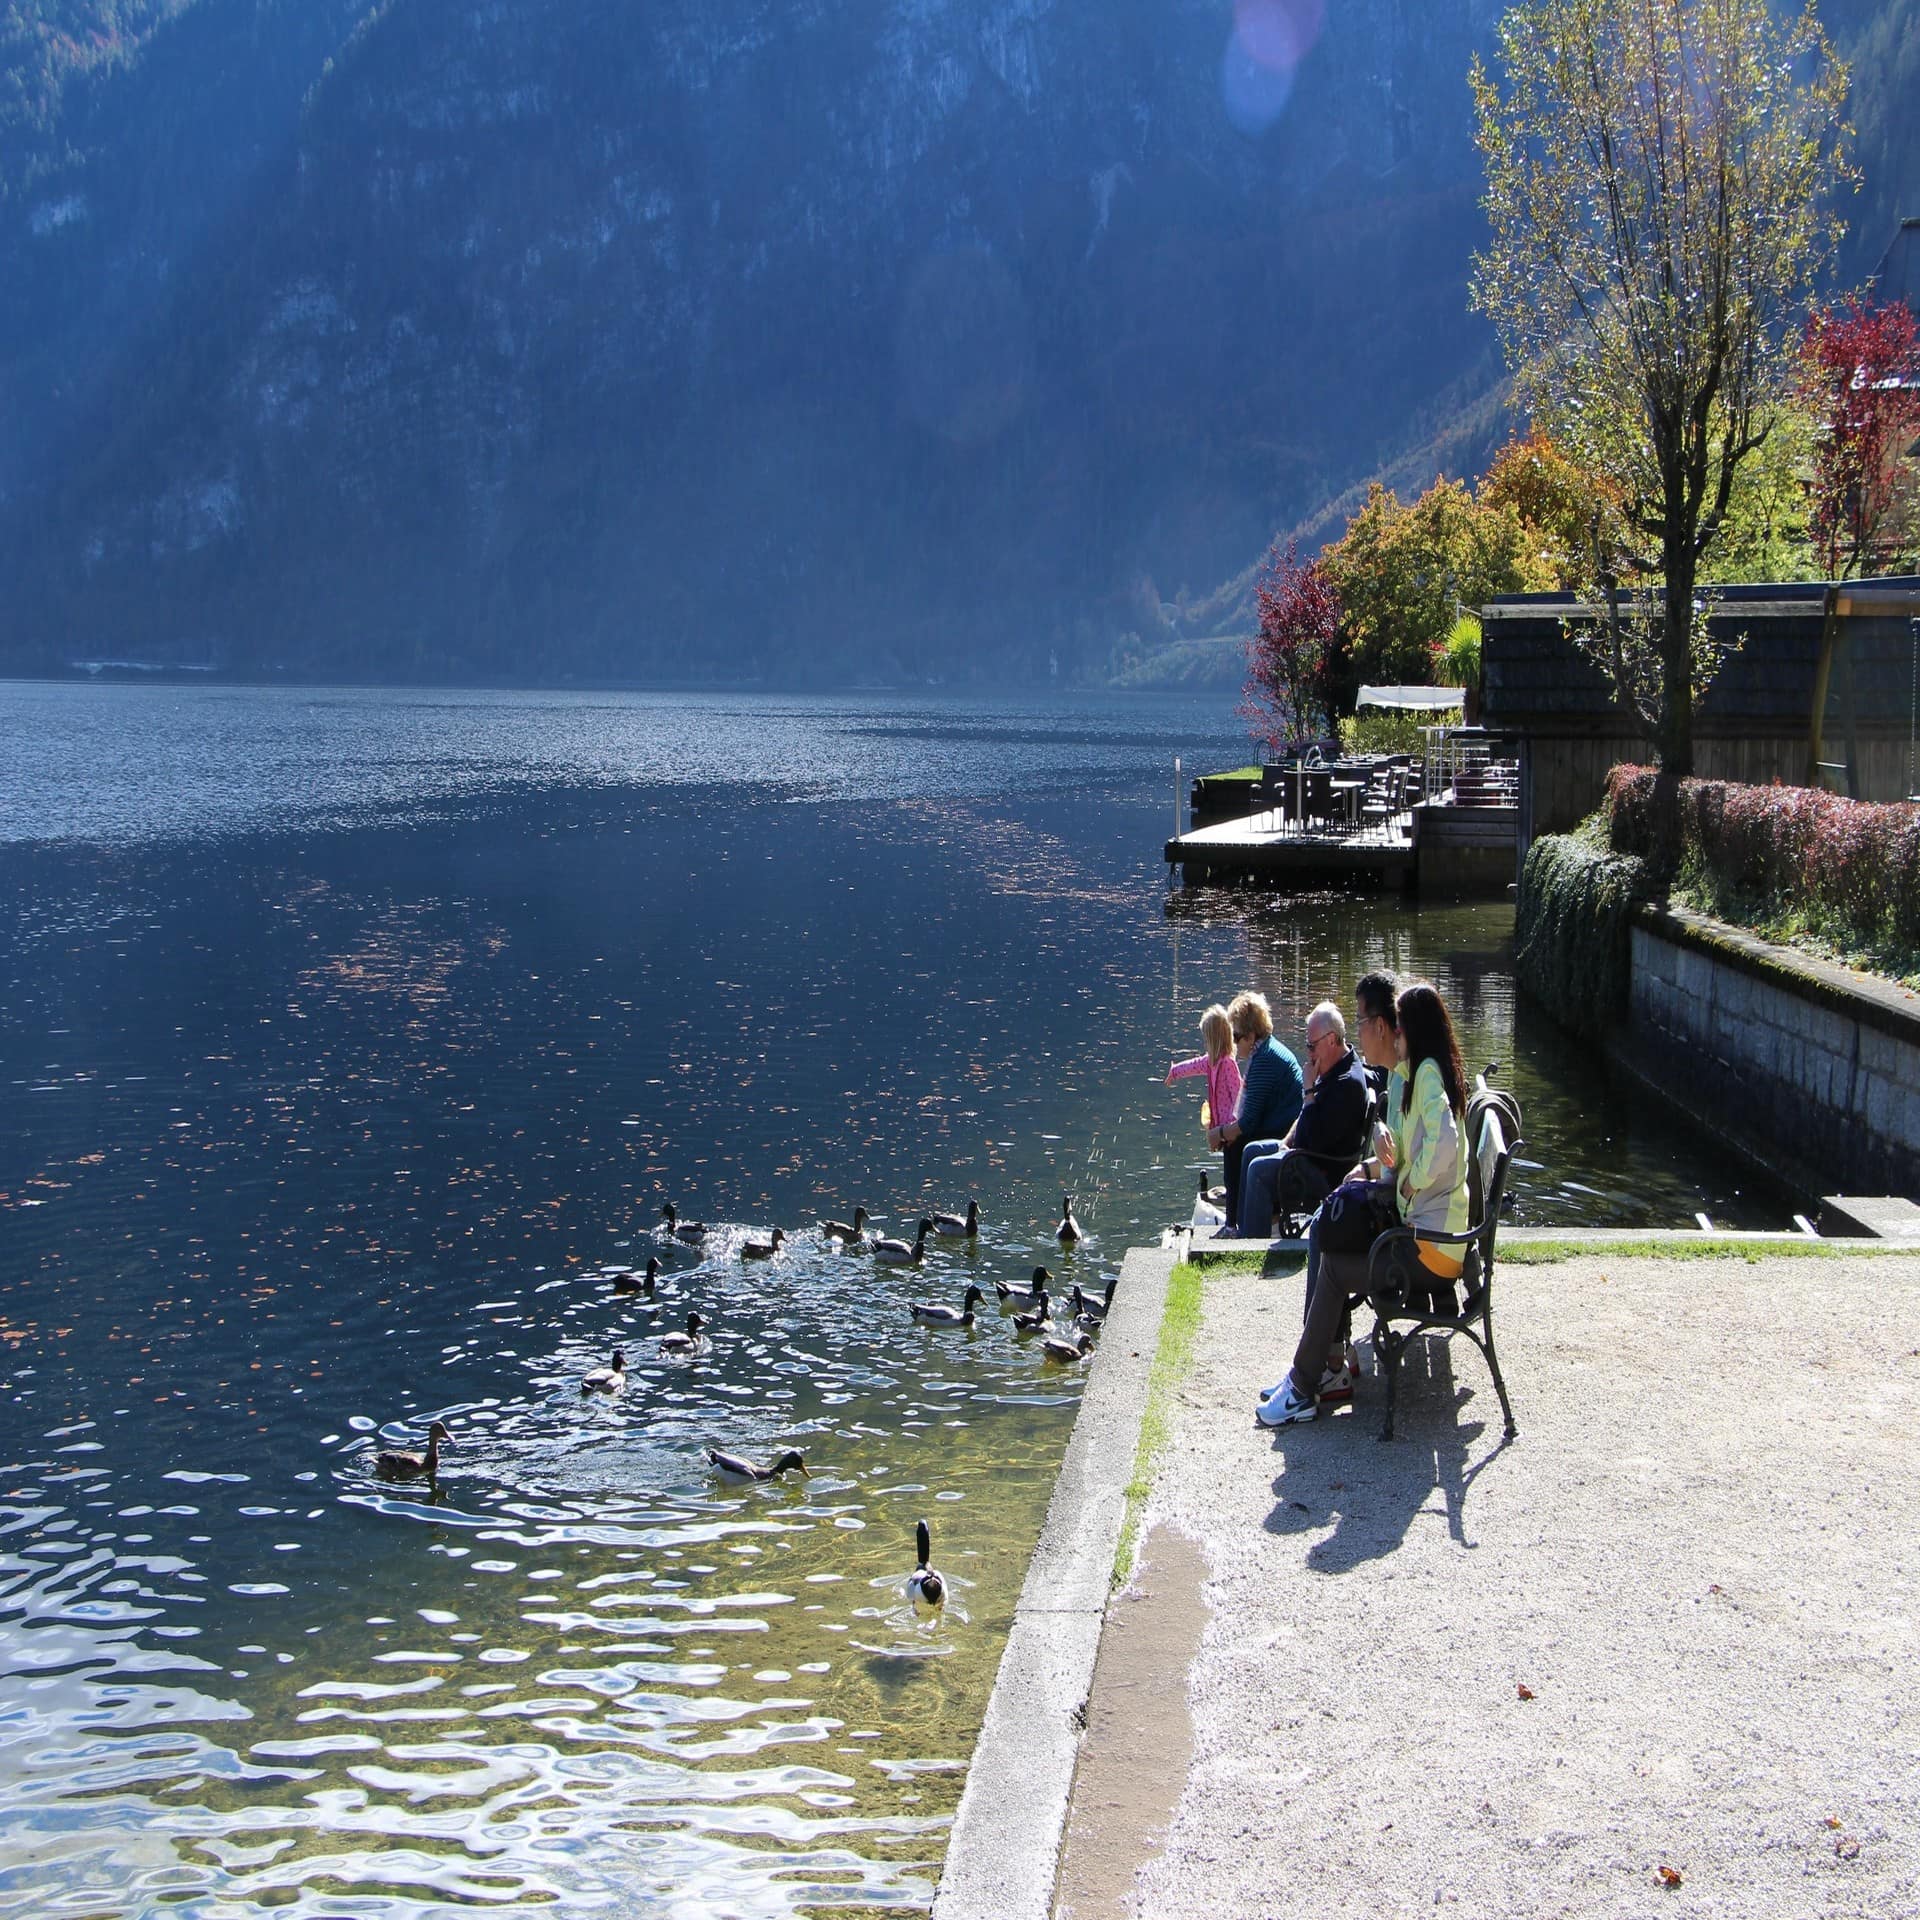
column 1487, row 1177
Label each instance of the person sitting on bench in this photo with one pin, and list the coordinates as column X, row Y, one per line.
column 1292, row 1176
column 1270, row 1091
column 1422, row 1147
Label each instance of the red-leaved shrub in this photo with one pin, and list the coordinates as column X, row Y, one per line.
column 1851, row 865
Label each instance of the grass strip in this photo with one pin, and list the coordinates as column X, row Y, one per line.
column 1718, row 1246
column 1179, row 1325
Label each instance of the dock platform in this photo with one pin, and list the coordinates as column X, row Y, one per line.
column 1270, row 847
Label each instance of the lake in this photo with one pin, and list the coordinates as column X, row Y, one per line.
column 346, row 1038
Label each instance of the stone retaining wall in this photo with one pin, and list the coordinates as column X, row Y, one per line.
column 1815, row 1068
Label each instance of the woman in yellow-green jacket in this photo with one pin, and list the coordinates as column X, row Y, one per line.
column 1422, row 1150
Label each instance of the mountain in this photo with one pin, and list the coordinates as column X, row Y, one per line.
column 715, row 339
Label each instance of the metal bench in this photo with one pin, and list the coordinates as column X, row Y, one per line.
column 1406, row 1296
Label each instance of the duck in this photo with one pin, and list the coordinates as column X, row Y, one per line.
column 1089, row 1313
column 1027, row 1295
column 1067, row 1353
column 763, row 1249
column 612, row 1378
column 688, row 1230
column 1039, row 1319
column 395, row 1464
column 960, row 1316
column 925, row 1587
column 851, row 1233
column 1068, row 1231
column 735, row 1466
column 625, row 1280
column 681, row 1344
column 955, row 1226
column 896, row 1253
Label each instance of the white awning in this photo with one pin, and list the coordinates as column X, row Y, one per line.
column 1424, row 699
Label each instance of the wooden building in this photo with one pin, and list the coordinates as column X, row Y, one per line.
column 1823, row 688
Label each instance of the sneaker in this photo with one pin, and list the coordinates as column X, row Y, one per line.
column 1336, row 1384
column 1267, row 1393
column 1287, row 1407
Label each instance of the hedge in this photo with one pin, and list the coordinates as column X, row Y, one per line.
column 1571, row 944
column 1850, row 867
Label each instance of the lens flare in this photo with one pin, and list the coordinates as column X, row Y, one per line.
column 1270, row 38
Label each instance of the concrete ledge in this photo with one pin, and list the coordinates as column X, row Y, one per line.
column 1004, row 1850
column 1882, row 1004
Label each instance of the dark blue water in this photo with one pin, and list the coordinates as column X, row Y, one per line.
column 346, row 1037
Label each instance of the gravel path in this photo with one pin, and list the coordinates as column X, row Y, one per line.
column 1699, row 1559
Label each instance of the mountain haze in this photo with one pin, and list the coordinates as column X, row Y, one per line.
column 816, row 342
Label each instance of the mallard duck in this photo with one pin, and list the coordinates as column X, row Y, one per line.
column 1089, row 1313
column 896, row 1253
column 612, row 1378
column 960, row 1316
column 396, row 1464
column 850, row 1233
column 688, row 1230
column 955, row 1226
column 925, row 1588
column 1039, row 1319
column 763, row 1249
column 684, row 1343
column 1067, row 1353
column 1068, row 1231
column 625, row 1280
column 734, row 1466
column 1027, row 1295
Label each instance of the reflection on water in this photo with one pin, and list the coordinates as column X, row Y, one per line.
column 347, row 1041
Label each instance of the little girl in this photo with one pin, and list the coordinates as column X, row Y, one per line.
column 1222, row 1071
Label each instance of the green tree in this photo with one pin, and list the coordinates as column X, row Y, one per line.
column 1405, row 574
column 1659, row 184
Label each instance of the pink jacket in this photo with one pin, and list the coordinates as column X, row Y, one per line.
column 1223, row 1083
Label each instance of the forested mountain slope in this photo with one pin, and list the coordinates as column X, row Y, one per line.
column 711, row 338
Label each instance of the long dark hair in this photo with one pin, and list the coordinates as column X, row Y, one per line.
column 1428, row 1032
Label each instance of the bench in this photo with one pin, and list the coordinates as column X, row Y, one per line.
column 1407, row 1297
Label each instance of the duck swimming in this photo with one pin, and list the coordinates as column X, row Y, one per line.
column 625, row 1280
column 896, row 1253
column 960, row 1316
column 612, row 1378
column 954, row 1226
column 851, row 1234
column 925, row 1587
column 681, row 1344
column 396, row 1464
column 1027, row 1295
column 691, row 1231
column 1067, row 1353
column 1039, row 1319
column 763, row 1249
column 1068, row 1231
column 1088, row 1313
column 734, row 1466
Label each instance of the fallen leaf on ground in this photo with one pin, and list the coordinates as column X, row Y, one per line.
column 1526, row 1692
column 1833, row 1820
column 1669, row 1877
column 1847, row 1847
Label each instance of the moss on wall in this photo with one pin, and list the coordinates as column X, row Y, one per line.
column 1571, row 947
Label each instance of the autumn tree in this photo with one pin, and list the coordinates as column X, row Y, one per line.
column 1860, row 374
column 1404, row 575
column 1659, row 178
column 1286, row 694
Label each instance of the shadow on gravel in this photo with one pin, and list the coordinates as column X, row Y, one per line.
column 1337, row 1469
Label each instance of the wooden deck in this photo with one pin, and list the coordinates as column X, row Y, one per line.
column 1269, row 847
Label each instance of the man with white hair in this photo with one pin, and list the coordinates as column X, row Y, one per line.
column 1295, row 1174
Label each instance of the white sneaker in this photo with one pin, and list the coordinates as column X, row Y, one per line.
column 1267, row 1393
column 1287, row 1407
column 1337, row 1382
